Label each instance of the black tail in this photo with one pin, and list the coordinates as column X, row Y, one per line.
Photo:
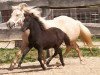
column 67, row 40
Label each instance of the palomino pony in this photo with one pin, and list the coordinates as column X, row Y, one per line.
column 43, row 39
column 71, row 27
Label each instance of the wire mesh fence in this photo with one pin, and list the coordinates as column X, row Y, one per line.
column 85, row 15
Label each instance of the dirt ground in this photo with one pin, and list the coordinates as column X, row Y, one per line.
column 73, row 66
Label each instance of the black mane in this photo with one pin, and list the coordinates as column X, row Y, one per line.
column 38, row 21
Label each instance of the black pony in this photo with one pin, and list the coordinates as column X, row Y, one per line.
column 43, row 39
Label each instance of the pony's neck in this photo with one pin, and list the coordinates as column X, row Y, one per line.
column 40, row 22
column 40, row 18
column 36, row 26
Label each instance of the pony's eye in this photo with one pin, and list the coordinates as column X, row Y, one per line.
column 17, row 15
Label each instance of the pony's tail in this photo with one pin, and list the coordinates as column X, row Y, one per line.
column 67, row 40
column 85, row 35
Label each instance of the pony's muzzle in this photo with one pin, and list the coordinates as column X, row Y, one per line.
column 10, row 25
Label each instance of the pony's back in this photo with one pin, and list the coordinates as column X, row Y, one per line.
column 60, row 35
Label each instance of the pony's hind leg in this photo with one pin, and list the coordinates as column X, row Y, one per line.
column 40, row 58
column 75, row 45
column 68, row 45
column 61, row 57
column 48, row 61
column 67, row 51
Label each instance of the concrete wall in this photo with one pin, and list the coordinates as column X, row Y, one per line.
column 9, row 35
column 7, row 44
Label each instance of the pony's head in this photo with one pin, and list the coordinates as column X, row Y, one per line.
column 17, row 15
column 16, row 18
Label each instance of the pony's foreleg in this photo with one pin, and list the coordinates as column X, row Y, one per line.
column 13, row 63
column 18, row 54
column 15, row 60
column 23, row 55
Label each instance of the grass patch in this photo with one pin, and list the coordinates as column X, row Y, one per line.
column 94, row 38
column 85, row 52
column 6, row 55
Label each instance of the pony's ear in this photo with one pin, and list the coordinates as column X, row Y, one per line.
column 31, row 14
column 25, row 14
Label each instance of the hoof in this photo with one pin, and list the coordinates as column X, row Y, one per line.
column 11, row 68
column 19, row 66
column 47, row 63
column 44, row 68
column 63, row 64
column 83, row 62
